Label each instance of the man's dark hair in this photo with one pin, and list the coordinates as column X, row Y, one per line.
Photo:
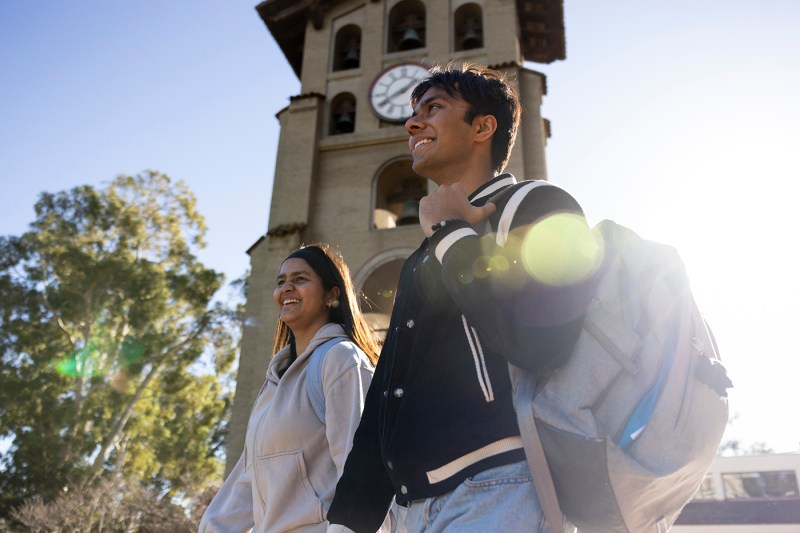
column 487, row 92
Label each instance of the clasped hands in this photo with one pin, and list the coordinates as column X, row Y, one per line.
column 450, row 202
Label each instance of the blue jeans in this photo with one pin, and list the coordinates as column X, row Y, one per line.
column 496, row 500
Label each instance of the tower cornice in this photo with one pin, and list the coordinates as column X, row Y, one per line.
column 542, row 36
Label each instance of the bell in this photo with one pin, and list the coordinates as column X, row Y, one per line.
column 344, row 123
column 351, row 59
column 344, row 116
column 351, row 54
column 409, row 214
column 410, row 40
column 471, row 40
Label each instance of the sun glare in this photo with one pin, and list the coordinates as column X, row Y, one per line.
column 561, row 250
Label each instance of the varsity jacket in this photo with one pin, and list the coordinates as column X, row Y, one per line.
column 439, row 408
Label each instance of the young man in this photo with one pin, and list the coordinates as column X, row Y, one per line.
column 439, row 430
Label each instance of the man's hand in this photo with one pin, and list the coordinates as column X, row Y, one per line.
column 450, row 202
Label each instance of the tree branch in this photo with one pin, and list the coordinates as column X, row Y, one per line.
column 121, row 422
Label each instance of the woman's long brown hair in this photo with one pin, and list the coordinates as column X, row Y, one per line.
column 329, row 265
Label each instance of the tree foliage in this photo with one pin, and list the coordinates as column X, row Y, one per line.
column 736, row 447
column 110, row 504
column 106, row 317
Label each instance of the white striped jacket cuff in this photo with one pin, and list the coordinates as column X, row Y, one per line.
column 450, row 240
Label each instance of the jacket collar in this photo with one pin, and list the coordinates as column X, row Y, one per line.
column 491, row 187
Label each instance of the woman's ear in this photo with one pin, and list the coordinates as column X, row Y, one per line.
column 485, row 126
column 333, row 294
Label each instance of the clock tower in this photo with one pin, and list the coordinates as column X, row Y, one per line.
column 343, row 170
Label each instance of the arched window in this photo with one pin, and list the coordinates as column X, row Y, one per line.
column 347, row 48
column 379, row 291
column 398, row 190
column 468, row 30
column 406, row 26
column 343, row 114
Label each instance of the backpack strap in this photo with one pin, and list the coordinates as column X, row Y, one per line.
column 510, row 209
column 534, row 449
column 534, row 453
column 316, row 394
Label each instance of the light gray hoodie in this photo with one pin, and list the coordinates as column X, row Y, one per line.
column 286, row 476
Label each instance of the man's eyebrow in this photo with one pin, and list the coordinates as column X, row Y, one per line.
column 425, row 101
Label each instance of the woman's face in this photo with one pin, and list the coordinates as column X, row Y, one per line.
column 300, row 296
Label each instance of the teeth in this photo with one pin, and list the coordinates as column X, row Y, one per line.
column 291, row 302
column 421, row 141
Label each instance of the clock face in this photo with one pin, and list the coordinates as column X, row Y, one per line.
column 391, row 91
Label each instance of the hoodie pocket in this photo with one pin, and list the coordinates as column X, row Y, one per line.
column 289, row 499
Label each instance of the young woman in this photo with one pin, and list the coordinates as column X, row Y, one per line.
column 295, row 448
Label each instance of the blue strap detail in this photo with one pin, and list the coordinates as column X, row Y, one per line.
column 316, row 394
column 647, row 405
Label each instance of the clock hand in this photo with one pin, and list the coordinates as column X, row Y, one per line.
column 404, row 89
column 397, row 93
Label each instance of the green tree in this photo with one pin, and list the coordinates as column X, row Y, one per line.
column 114, row 355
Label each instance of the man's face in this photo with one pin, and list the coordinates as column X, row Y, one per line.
column 439, row 138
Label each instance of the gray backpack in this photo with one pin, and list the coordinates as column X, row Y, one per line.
column 620, row 437
column 314, row 388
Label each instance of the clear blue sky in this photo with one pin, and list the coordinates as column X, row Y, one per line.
column 680, row 119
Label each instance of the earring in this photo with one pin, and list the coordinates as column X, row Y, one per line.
column 333, row 304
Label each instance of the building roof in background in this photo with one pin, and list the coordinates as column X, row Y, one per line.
column 542, row 35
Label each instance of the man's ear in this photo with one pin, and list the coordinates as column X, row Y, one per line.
column 485, row 126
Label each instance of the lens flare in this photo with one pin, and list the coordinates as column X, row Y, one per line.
column 79, row 363
column 93, row 361
column 499, row 264
column 132, row 352
column 481, row 268
column 561, row 250
column 386, row 293
column 465, row 278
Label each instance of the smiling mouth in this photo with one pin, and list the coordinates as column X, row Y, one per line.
column 287, row 302
column 421, row 142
